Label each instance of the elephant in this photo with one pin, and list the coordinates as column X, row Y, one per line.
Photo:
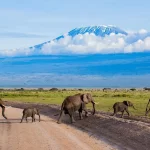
column 147, row 109
column 121, row 107
column 74, row 103
column 3, row 108
column 30, row 112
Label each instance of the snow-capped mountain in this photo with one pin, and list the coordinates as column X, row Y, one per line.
column 97, row 30
column 89, row 40
column 126, row 61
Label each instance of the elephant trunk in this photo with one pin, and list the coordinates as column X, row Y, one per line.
column 134, row 107
column 93, row 103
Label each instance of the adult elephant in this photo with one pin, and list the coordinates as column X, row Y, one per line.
column 3, row 108
column 76, row 103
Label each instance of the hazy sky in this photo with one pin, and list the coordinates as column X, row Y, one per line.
column 29, row 22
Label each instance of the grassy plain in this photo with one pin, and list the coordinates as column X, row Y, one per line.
column 106, row 99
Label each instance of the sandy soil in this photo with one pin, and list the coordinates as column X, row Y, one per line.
column 125, row 134
column 44, row 135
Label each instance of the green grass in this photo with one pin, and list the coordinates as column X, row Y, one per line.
column 105, row 99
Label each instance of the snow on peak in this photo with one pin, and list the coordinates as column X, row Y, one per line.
column 100, row 31
column 97, row 30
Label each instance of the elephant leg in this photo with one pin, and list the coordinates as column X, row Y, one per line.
column 127, row 112
column 32, row 118
column 3, row 112
column 85, row 110
column 80, row 112
column 148, row 111
column 26, row 119
column 39, row 118
column 60, row 117
column 122, row 114
column 22, row 119
column 115, row 112
column 71, row 116
column 80, row 115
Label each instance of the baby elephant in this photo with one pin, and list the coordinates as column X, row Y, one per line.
column 30, row 112
column 121, row 107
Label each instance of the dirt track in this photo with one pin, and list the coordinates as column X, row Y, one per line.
column 123, row 134
column 44, row 135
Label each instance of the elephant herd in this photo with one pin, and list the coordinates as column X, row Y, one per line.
column 74, row 103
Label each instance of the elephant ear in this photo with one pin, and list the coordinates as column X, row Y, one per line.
column 84, row 98
column 126, row 103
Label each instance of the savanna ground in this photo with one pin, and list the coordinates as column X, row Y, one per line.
column 105, row 99
column 129, row 133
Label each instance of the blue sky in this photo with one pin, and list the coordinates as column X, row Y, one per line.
column 26, row 23
column 118, row 71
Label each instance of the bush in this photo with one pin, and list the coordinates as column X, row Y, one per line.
column 53, row 89
column 80, row 89
column 132, row 89
column 40, row 89
column 64, row 90
column 106, row 89
column 21, row 89
column 146, row 88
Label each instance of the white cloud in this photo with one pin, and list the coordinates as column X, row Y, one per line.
column 139, row 46
column 90, row 44
column 143, row 31
column 16, row 52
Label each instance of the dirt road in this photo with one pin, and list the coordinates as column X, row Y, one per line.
column 44, row 135
column 125, row 134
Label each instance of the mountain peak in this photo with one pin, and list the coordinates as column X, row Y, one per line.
column 101, row 31
column 97, row 30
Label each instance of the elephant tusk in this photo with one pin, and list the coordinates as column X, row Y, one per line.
column 96, row 103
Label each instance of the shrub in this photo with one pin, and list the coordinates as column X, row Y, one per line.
column 40, row 89
column 132, row 89
column 53, row 89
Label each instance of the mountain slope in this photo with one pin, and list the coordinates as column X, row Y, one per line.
column 97, row 30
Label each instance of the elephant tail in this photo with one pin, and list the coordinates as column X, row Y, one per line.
column 62, row 107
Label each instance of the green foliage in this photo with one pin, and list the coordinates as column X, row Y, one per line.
column 133, row 89
column 105, row 99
